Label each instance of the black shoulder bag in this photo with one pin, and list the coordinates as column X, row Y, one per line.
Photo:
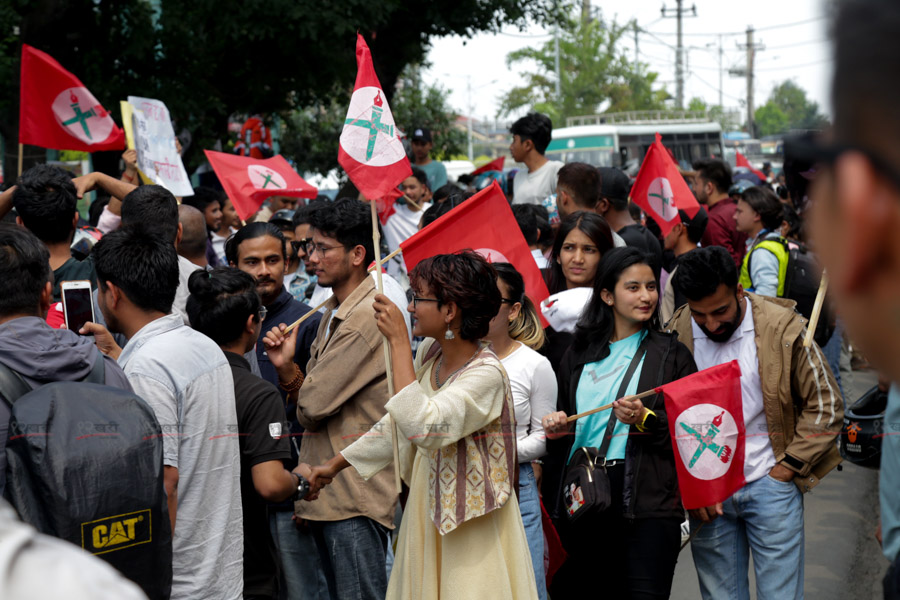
column 586, row 483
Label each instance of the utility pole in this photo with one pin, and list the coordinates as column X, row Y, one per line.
column 751, row 49
column 556, row 61
column 679, row 12
column 721, row 102
column 636, row 31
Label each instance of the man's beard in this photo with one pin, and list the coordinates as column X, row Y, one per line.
column 727, row 329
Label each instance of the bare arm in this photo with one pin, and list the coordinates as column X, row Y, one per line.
column 272, row 481
column 170, row 476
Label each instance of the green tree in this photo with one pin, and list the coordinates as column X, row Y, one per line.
column 595, row 74
column 208, row 59
column 729, row 120
column 788, row 108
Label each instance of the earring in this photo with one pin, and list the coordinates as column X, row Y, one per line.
column 449, row 335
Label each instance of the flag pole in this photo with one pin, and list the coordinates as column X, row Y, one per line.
column 388, row 363
column 817, row 311
column 21, row 150
column 609, row 406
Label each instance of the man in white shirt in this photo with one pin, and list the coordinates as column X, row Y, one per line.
column 531, row 136
column 792, row 411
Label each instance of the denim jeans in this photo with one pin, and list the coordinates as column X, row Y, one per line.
column 764, row 517
column 353, row 554
column 300, row 566
column 530, row 507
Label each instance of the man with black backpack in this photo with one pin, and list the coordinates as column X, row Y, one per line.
column 76, row 429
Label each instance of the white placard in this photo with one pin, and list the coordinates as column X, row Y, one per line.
column 154, row 139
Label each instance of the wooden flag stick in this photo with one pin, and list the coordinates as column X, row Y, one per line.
column 608, row 406
column 817, row 311
column 21, row 150
column 388, row 363
column 411, row 201
column 322, row 305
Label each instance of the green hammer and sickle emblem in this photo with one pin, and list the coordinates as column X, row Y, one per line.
column 374, row 126
column 81, row 117
column 661, row 197
column 706, row 442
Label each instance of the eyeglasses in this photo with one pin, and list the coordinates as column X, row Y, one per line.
column 417, row 299
column 263, row 311
column 319, row 248
column 299, row 245
column 820, row 152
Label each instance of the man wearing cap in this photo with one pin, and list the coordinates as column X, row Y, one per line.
column 684, row 237
column 434, row 169
column 613, row 206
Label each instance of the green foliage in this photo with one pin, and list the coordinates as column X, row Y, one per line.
column 729, row 120
column 788, row 108
column 595, row 74
column 415, row 105
column 208, row 59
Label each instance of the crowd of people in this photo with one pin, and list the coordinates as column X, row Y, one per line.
column 259, row 347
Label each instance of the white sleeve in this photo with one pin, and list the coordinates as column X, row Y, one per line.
column 542, row 402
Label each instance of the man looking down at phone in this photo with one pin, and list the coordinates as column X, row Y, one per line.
column 28, row 346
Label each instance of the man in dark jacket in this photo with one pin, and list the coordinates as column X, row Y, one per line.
column 710, row 187
column 28, row 345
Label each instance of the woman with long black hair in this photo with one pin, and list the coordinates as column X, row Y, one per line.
column 629, row 549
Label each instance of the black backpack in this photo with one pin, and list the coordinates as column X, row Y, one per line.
column 85, row 464
column 801, row 284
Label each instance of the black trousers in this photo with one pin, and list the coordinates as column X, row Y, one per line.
column 615, row 557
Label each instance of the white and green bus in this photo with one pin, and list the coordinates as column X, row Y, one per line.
column 622, row 139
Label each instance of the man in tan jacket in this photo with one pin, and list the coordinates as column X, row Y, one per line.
column 342, row 397
column 792, row 412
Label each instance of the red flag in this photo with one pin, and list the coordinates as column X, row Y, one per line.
column 706, row 423
column 249, row 181
column 484, row 223
column 741, row 161
column 494, row 165
column 370, row 151
column 57, row 111
column 385, row 207
column 661, row 190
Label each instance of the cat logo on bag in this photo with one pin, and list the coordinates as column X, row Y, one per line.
column 116, row 533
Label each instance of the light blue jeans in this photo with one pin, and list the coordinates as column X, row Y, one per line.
column 530, row 507
column 303, row 574
column 764, row 517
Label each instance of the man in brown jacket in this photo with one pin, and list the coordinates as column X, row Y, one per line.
column 342, row 397
column 792, row 412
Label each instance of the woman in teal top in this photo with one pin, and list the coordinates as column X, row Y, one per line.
column 629, row 550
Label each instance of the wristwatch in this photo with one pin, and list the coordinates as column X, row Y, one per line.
column 302, row 487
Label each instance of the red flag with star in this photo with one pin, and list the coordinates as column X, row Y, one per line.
column 370, row 151
column 57, row 111
column 660, row 189
column 249, row 181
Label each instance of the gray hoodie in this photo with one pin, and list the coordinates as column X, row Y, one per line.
column 42, row 354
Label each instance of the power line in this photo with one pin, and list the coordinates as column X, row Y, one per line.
column 715, row 89
column 803, row 66
column 729, row 33
column 796, row 44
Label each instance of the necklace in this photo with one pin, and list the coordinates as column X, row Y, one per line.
column 437, row 383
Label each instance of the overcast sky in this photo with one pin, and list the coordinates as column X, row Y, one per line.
column 799, row 52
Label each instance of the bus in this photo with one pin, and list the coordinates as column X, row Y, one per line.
column 622, row 139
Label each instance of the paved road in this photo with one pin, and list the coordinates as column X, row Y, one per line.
column 843, row 560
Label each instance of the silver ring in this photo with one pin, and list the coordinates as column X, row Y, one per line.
column 632, row 414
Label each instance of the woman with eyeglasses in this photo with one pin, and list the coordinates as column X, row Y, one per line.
column 515, row 335
column 632, row 545
column 461, row 534
column 582, row 240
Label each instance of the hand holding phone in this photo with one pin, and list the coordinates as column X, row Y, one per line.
column 78, row 305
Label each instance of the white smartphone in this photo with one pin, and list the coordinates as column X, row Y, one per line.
column 78, row 305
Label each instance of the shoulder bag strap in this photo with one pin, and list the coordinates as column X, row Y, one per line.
column 12, row 386
column 607, row 437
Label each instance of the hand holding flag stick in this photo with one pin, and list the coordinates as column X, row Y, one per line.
column 608, row 406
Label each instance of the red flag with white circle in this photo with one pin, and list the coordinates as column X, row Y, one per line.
column 660, row 190
column 56, row 110
column 706, row 424
column 370, row 151
column 249, row 181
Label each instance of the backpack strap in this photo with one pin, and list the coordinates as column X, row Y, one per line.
column 12, row 385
